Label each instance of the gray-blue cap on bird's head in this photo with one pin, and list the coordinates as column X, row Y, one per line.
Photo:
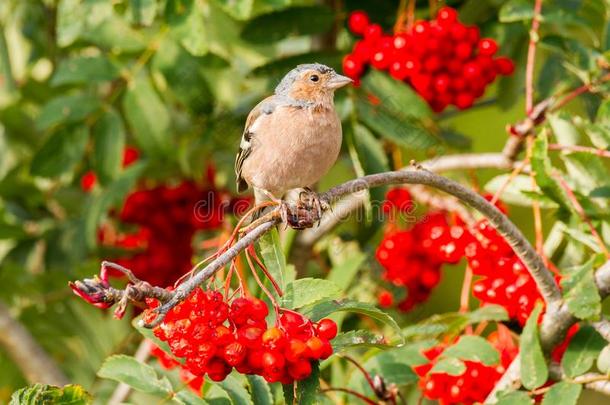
column 285, row 85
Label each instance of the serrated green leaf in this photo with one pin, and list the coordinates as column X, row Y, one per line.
column 582, row 351
column 518, row 191
column 139, row 376
column 323, row 309
column 473, row 348
column 580, row 291
column 448, row 365
column 115, row 192
column 147, row 116
column 357, row 338
column 307, row 389
column 109, row 143
column 562, row 393
column 259, row 390
column 541, row 165
column 514, row 398
column 516, row 10
column 47, row 394
column 534, row 371
column 273, row 257
column 66, row 110
column 60, row 153
column 293, row 21
column 237, row 392
column 84, row 69
column 307, row 291
column 188, row 397
column 143, row 12
column 187, row 21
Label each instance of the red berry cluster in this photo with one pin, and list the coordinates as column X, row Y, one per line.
column 215, row 336
column 410, row 257
column 472, row 386
column 445, row 61
column 165, row 219
column 505, row 280
column 167, row 362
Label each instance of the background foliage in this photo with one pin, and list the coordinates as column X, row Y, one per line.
column 80, row 79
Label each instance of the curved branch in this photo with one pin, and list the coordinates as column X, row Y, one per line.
column 513, row 236
column 35, row 364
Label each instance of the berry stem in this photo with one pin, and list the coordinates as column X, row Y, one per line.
column 531, row 58
column 262, row 266
column 578, row 148
column 365, row 373
column 354, row 393
column 465, row 295
column 276, row 306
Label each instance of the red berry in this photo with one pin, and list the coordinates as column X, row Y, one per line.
column 299, row 370
column 504, row 66
column 446, row 16
column 352, row 67
column 250, row 336
column 358, row 22
column 274, row 338
column 441, row 83
column 385, row 299
column 87, row 182
column 463, row 51
column 464, row 100
column 273, row 362
column 373, row 32
column 295, row 350
column 130, row 155
column 234, row 353
column 487, row 47
column 326, row 329
column 381, row 59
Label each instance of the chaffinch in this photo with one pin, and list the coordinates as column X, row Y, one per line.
column 293, row 137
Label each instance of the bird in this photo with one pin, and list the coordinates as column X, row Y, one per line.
column 292, row 138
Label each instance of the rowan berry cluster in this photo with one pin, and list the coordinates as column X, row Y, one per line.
column 471, row 386
column 445, row 61
column 409, row 257
column 215, row 336
column 413, row 258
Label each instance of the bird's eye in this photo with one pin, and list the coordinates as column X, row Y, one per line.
column 314, row 78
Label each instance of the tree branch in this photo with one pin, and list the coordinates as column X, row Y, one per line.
column 35, row 364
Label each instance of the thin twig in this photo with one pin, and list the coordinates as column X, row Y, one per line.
column 531, row 58
column 578, row 148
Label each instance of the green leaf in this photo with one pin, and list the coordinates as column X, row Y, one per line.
column 564, row 129
column 187, row 25
column 534, row 371
column 293, row 21
column 343, row 274
column 394, row 125
column 355, row 338
column 580, row 291
column 139, row 376
column 109, row 142
column 514, row 398
column 323, row 309
column 603, row 360
column 188, row 397
column 582, row 351
column 370, row 151
column 147, row 117
column 473, row 348
column 115, row 34
column 66, row 109
column 487, row 313
column 143, row 12
column 98, row 205
column 237, row 392
column 47, row 394
column 562, row 393
column 395, row 95
column 306, row 291
column 288, row 391
column 273, row 257
column 259, row 390
column 308, row 388
column 541, row 165
column 518, row 191
column 516, row 10
column 240, row 10
column 60, row 153
column 449, row 365
column 84, row 69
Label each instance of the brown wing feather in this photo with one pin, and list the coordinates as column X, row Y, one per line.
column 245, row 147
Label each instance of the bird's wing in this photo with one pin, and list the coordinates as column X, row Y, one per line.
column 265, row 107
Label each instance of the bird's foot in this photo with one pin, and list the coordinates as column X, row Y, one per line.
column 311, row 202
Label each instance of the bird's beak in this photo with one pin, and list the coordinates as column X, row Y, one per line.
column 338, row 81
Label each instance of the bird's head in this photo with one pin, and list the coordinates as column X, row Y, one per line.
column 312, row 82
